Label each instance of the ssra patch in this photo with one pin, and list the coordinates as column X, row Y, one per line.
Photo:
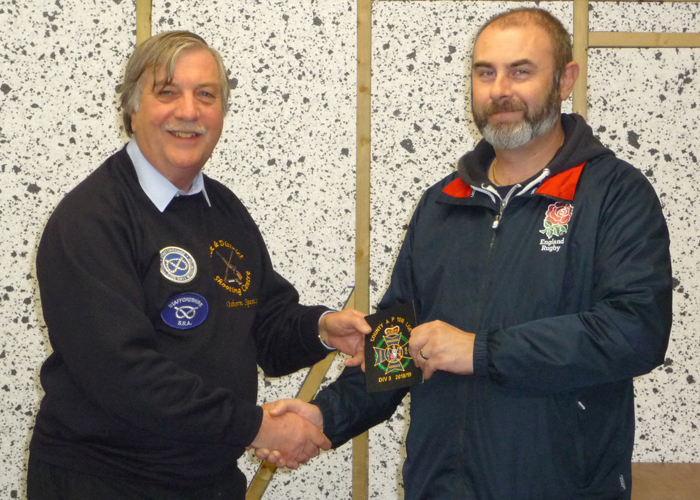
column 177, row 265
column 185, row 311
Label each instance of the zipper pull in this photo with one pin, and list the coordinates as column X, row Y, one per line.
column 497, row 220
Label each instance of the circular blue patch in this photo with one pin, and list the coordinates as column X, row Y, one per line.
column 185, row 311
column 177, row 265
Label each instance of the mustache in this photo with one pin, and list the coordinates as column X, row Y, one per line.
column 504, row 106
column 188, row 127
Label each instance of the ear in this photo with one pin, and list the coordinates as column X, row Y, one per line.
column 568, row 79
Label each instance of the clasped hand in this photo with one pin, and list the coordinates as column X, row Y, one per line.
column 291, row 433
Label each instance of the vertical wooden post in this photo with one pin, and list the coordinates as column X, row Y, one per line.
column 581, row 56
column 143, row 20
column 360, row 444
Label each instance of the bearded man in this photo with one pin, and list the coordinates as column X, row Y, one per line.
column 540, row 271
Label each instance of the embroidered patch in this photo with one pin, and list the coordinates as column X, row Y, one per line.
column 177, row 265
column 232, row 276
column 185, row 311
column 556, row 221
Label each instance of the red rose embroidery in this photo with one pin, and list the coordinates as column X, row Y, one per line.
column 559, row 213
column 556, row 221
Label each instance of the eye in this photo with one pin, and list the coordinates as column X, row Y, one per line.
column 207, row 95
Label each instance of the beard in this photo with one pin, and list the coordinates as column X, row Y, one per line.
column 513, row 135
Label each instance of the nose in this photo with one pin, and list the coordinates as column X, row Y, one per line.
column 500, row 88
column 187, row 107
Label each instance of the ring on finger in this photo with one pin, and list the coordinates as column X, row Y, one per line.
column 423, row 355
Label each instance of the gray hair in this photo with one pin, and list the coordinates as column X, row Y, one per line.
column 162, row 51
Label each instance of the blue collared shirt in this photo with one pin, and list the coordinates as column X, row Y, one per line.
column 159, row 189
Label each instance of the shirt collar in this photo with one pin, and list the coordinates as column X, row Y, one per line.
column 159, row 189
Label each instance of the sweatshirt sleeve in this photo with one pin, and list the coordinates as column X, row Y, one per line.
column 93, row 305
column 625, row 332
column 286, row 332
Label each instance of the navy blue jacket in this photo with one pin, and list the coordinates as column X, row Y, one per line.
column 567, row 285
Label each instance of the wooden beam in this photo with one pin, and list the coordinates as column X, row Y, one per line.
column 669, row 40
column 363, row 151
column 667, row 481
column 360, row 444
column 143, row 20
column 581, row 56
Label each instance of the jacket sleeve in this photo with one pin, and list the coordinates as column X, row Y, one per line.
column 93, row 305
column 349, row 410
column 626, row 331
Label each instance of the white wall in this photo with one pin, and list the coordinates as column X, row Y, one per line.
column 294, row 67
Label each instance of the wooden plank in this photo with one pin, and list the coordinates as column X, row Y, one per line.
column 363, row 151
column 143, row 20
column 611, row 39
column 665, row 481
column 597, row 1
column 581, row 41
column 360, row 444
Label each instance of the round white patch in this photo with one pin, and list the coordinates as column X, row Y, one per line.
column 177, row 265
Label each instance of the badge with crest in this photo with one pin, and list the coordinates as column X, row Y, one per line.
column 388, row 361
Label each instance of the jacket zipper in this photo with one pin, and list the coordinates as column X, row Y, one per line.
column 490, row 191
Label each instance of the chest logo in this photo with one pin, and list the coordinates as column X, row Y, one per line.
column 177, row 265
column 556, row 224
column 231, row 276
column 185, row 311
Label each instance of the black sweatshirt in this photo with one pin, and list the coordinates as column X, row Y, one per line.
column 135, row 386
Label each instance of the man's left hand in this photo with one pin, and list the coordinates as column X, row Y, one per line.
column 345, row 330
column 439, row 346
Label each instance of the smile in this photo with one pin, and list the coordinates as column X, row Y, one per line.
column 184, row 135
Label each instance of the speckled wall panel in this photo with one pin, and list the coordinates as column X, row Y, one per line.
column 288, row 151
column 59, row 65
column 643, row 104
column 421, row 125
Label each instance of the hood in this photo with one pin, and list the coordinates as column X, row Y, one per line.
column 580, row 146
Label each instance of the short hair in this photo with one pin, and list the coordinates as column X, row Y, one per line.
column 558, row 36
column 162, row 51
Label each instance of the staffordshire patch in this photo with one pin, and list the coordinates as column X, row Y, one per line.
column 185, row 311
column 177, row 265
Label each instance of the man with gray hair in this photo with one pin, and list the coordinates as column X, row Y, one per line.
column 540, row 271
column 160, row 301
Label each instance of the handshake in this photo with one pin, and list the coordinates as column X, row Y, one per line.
column 291, row 433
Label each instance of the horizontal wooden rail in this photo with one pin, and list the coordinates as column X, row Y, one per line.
column 611, row 39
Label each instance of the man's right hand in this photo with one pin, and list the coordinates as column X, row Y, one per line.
column 297, row 410
column 286, row 438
